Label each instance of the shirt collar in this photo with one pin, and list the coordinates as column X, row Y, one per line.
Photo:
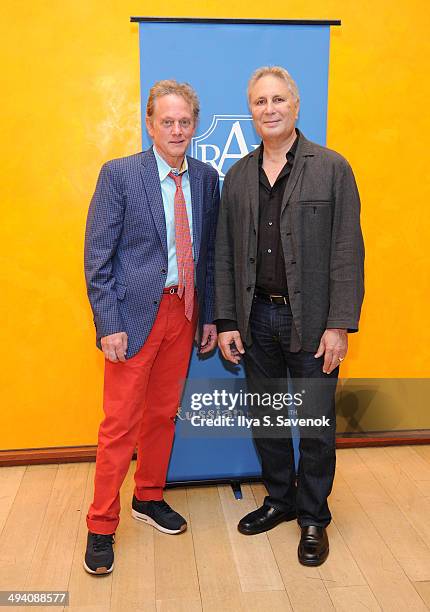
column 163, row 166
column 290, row 153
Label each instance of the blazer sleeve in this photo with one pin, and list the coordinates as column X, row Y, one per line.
column 347, row 253
column 103, row 231
column 210, row 261
column 225, row 294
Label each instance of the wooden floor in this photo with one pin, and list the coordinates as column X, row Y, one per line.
column 379, row 543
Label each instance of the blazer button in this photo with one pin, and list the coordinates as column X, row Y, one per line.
column 252, row 260
column 155, row 302
column 163, row 271
column 248, row 288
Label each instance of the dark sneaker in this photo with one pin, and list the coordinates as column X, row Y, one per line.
column 158, row 514
column 99, row 555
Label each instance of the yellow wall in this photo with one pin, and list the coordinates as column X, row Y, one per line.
column 70, row 101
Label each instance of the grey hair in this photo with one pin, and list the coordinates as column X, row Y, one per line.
column 276, row 71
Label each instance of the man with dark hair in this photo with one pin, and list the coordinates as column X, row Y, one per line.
column 289, row 287
column 149, row 260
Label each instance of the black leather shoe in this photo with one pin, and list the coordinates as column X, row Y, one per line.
column 263, row 519
column 313, row 547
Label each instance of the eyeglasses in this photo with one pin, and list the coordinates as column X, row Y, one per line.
column 169, row 123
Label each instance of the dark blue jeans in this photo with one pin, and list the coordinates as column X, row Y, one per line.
column 267, row 361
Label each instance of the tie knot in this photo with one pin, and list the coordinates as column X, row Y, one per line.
column 177, row 178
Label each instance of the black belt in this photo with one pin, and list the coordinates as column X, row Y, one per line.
column 273, row 298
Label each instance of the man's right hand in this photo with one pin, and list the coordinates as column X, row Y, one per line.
column 114, row 346
column 230, row 344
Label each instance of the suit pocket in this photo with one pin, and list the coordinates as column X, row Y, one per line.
column 315, row 202
column 120, row 290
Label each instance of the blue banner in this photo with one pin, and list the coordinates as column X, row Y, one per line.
column 217, row 60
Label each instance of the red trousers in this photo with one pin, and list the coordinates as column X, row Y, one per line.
column 141, row 399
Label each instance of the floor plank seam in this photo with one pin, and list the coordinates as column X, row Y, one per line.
column 346, row 543
column 280, row 572
column 393, row 499
column 13, row 502
column 194, row 549
column 274, row 556
column 76, row 547
column 350, row 551
column 84, row 488
column 419, row 594
column 40, row 530
column 369, row 517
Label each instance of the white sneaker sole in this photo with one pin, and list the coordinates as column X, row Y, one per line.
column 101, row 571
column 144, row 518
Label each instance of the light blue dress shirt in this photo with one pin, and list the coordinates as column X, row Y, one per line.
column 168, row 190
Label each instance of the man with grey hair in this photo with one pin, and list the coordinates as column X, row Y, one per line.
column 288, row 289
column 149, row 263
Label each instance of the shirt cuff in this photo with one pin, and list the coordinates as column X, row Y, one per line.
column 225, row 325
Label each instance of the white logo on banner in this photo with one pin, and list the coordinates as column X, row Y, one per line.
column 229, row 138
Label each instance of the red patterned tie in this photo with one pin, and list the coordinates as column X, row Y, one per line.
column 184, row 249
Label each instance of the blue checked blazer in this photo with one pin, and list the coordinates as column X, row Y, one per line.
column 126, row 245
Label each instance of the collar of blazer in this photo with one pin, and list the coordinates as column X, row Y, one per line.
column 151, row 183
column 148, row 160
column 305, row 148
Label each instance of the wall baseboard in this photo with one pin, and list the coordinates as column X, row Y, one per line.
column 80, row 454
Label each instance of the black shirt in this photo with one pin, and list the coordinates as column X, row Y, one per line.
column 271, row 277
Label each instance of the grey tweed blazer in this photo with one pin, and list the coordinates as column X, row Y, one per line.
column 321, row 241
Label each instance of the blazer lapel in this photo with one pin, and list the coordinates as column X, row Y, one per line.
column 151, row 183
column 196, row 187
column 303, row 151
column 254, row 187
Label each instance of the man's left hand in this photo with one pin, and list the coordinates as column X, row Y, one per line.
column 334, row 346
column 209, row 338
